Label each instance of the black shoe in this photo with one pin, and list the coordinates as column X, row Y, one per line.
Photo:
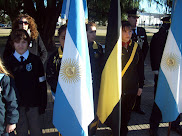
column 153, row 133
column 177, row 129
column 139, row 111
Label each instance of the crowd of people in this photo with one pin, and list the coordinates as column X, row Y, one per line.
column 23, row 82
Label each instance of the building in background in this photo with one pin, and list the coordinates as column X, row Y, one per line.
column 150, row 19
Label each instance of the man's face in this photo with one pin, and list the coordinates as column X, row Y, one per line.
column 62, row 38
column 91, row 33
column 133, row 21
column 21, row 46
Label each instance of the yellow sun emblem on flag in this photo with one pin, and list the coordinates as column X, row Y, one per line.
column 70, row 71
column 171, row 62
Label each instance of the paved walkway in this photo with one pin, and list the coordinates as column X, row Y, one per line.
column 138, row 125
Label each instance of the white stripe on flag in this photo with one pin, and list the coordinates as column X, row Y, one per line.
column 169, row 87
column 73, row 107
column 172, row 71
column 66, row 6
column 169, row 82
column 75, row 97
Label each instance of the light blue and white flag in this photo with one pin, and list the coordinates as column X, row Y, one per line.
column 73, row 107
column 169, row 89
column 66, row 7
column 1, row 76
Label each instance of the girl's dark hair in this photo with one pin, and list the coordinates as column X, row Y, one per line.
column 125, row 24
column 61, row 29
column 18, row 34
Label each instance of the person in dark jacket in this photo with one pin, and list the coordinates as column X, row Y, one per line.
column 36, row 46
column 30, row 82
column 139, row 36
column 95, row 53
column 156, row 50
column 8, row 102
column 54, row 61
column 132, row 75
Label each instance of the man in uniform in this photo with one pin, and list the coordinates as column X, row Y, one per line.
column 139, row 36
column 156, row 50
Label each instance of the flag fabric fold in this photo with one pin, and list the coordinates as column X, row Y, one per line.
column 169, row 88
column 109, row 104
column 73, row 106
column 66, row 6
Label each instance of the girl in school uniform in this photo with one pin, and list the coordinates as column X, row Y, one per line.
column 8, row 103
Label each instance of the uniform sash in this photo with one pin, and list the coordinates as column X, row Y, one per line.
column 95, row 46
column 130, row 60
column 60, row 52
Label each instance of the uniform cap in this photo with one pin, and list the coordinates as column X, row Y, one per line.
column 133, row 13
column 166, row 19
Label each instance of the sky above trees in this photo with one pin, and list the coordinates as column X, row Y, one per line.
column 153, row 7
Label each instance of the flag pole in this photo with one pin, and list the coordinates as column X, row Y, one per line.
column 169, row 129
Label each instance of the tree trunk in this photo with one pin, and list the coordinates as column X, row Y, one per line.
column 46, row 19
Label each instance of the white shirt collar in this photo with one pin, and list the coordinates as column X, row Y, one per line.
column 17, row 55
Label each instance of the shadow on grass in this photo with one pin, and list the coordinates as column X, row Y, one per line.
column 3, row 40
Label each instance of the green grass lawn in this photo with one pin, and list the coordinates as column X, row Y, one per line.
column 3, row 40
column 5, row 31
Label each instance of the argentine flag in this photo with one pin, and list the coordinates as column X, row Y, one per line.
column 169, row 89
column 73, row 107
column 65, row 9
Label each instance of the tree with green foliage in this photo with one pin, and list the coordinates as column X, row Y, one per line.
column 166, row 3
column 99, row 9
column 11, row 7
column 4, row 19
column 46, row 12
